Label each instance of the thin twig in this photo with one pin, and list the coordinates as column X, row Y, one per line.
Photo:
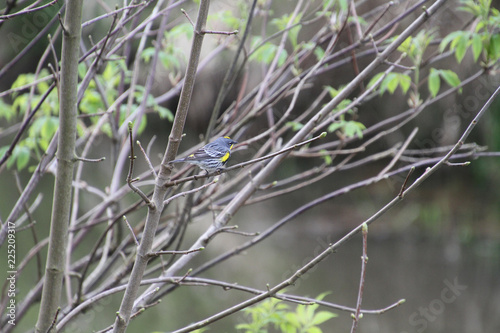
column 137, row 313
column 61, row 23
column 466, row 163
column 106, row 40
column 25, row 124
column 151, row 167
column 31, row 44
column 183, row 194
column 131, row 230
column 159, row 253
column 54, row 320
column 399, row 153
column 364, row 259
column 187, row 16
column 370, row 27
column 457, row 146
column 216, row 32
column 116, row 11
column 403, row 187
column 131, row 170
column 241, row 233
column 411, row 68
column 28, row 10
column 184, row 277
column 188, row 280
column 89, row 160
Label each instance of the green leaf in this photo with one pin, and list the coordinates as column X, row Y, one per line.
column 322, row 316
column 20, row 103
column 343, row 4
column 495, row 47
column 180, row 30
column 405, row 46
column 82, row 70
column 477, row 46
column 228, row 18
column 404, row 82
column 385, row 82
column 282, row 22
column 374, row 79
column 434, row 82
column 295, row 125
column 332, row 91
column 450, row 77
column 36, row 127
column 6, row 111
column 147, row 54
column 109, row 72
column 22, row 157
column 392, row 84
column 353, row 128
column 264, row 54
column 335, row 126
column 3, row 151
column 326, row 157
column 450, row 37
column 282, row 57
column 319, row 53
column 42, row 87
column 163, row 112
column 49, row 127
column 293, row 318
column 170, row 61
column 460, row 47
column 314, row 329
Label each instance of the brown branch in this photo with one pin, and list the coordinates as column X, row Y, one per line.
column 25, row 125
column 159, row 253
column 27, row 10
column 356, row 316
column 150, row 165
column 130, row 181
column 372, row 25
column 131, row 230
column 399, row 153
column 403, row 187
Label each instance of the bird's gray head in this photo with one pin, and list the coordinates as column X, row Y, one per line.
column 226, row 142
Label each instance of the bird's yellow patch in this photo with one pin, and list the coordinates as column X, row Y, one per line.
column 225, row 157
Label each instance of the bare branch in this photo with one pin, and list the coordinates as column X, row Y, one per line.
column 131, row 170
column 25, row 125
column 356, row 316
column 131, row 230
column 159, row 253
column 146, row 157
column 399, row 153
column 28, row 10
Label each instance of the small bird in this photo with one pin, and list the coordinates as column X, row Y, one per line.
column 211, row 157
